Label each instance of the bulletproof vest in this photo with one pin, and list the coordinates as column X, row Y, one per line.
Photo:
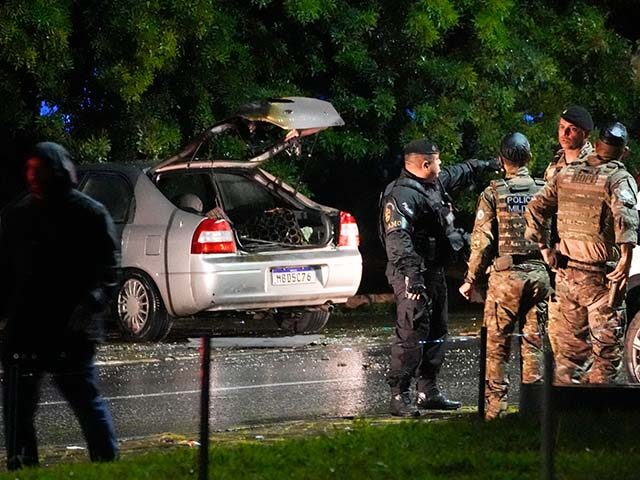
column 512, row 196
column 432, row 230
column 582, row 210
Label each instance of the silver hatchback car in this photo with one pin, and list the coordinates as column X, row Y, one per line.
column 212, row 237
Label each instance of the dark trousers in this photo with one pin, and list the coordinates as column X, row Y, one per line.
column 74, row 375
column 420, row 332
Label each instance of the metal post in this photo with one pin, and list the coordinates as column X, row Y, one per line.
column 12, row 415
column 547, row 441
column 205, row 373
column 483, row 370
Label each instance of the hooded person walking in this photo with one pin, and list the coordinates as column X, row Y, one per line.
column 58, row 261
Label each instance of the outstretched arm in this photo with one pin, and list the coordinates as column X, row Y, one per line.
column 455, row 177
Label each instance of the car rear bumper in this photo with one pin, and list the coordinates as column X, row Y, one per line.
column 245, row 282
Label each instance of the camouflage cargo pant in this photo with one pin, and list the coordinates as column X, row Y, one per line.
column 588, row 333
column 515, row 299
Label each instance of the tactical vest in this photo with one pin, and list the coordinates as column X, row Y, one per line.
column 428, row 242
column 582, row 207
column 512, row 196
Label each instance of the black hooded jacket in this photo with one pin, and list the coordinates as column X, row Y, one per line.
column 58, row 260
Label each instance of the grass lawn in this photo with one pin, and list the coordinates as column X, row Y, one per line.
column 589, row 446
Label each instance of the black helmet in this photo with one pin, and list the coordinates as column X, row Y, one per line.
column 614, row 134
column 515, row 148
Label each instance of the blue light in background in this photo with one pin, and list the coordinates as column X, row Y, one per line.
column 530, row 118
column 47, row 109
column 411, row 114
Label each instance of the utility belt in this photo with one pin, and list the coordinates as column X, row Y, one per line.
column 508, row 262
column 601, row 267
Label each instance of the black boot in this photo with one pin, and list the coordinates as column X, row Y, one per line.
column 401, row 406
column 435, row 401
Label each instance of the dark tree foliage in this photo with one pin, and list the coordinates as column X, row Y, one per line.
column 127, row 79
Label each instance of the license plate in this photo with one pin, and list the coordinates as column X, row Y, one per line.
column 292, row 275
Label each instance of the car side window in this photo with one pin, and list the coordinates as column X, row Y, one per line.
column 189, row 191
column 111, row 190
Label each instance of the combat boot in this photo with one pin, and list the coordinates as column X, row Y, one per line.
column 401, row 406
column 435, row 401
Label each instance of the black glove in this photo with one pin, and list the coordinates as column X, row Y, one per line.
column 414, row 287
column 493, row 165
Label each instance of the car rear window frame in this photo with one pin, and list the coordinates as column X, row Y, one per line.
column 127, row 217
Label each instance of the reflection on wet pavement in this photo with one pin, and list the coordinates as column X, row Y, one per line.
column 256, row 380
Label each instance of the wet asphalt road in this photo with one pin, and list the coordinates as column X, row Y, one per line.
column 153, row 389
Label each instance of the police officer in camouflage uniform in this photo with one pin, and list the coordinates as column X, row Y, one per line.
column 518, row 278
column 416, row 227
column 574, row 127
column 595, row 201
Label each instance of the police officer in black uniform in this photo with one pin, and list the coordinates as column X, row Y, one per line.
column 416, row 226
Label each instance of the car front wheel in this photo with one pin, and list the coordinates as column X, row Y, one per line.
column 140, row 312
column 632, row 349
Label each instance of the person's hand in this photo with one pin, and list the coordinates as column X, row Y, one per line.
column 494, row 165
column 481, row 165
column 620, row 274
column 466, row 289
column 471, row 292
column 550, row 257
column 414, row 287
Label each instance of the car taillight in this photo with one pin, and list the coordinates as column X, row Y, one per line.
column 349, row 235
column 213, row 236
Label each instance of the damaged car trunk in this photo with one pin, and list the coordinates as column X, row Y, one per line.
column 264, row 212
column 265, row 216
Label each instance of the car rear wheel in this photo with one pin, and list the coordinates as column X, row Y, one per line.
column 303, row 321
column 632, row 349
column 140, row 312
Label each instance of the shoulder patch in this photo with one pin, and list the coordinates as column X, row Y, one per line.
column 388, row 210
column 626, row 195
column 392, row 219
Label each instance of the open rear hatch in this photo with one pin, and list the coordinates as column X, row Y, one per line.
column 264, row 213
column 299, row 116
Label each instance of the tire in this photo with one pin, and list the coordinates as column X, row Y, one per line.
column 303, row 321
column 140, row 313
column 632, row 349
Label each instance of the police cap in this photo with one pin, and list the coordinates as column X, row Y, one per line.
column 421, row 147
column 578, row 116
column 614, row 134
column 515, row 148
